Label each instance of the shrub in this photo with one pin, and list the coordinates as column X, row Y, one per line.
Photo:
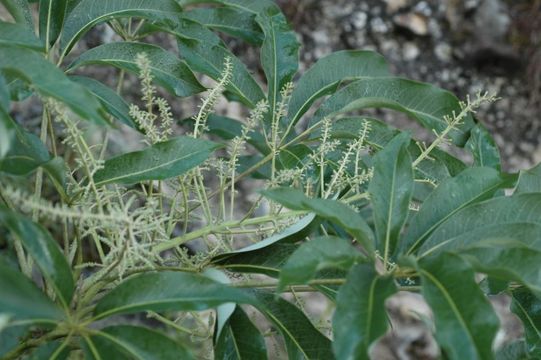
column 350, row 207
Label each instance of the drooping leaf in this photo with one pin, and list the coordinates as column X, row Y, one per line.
column 470, row 186
column 529, row 180
column 465, row 321
column 240, row 340
column 325, row 76
column 528, row 308
column 111, row 101
column 317, row 254
column 329, row 209
column 167, row 69
column 391, row 189
column 135, row 342
column 168, row 290
column 360, row 316
column 228, row 20
column 157, row 162
column 48, row 80
column 19, row 35
column 44, row 250
column 22, row 299
column 422, row 102
column 302, row 339
column 51, row 19
column 88, row 13
column 483, row 148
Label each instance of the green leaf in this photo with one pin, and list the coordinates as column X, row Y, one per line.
column 23, row 300
column 167, row 69
column 483, row 148
column 360, row 316
column 240, row 340
column 88, row 13
column 7, row 133
column 325, row 77
column 391, row 189
column 135, row 342
column 302, row 339
column 44, row 250
column 19, row 35
column 158, row 162
column 224, row 311
column 20, row 11
column 279, row 52
column 469, row 187
column 111, row 101
column 51, row 19
column 56, row 348
column 422, row 102
column 325, row 252
column 528, row 308
column 4, row 94
column 465, row 321
column 230, row 21
column 168, row 290
column 529, row 180
column 228, row 128
column 516, row 350
column 521, row 208
column 48, row 80
column 331, row 210
column 251, row 6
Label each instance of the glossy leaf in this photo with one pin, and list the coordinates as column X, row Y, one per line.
column 391, row 189
column 136, row 342
column 158, row 162
column 325, row 76
column 51, row 19
column 19, row 35
column 111, row 101
column 529, row 180
column 465, row 321
column 48, row 80
column 422, row 102
column 302, row 339
column 469, row 187
column 88, row 13
column 22, row 299
column 167, row 69
column 168, row 290
column 240, row 340
column 360, row 317
column 528, row 308
column 331, row 210
column 326, row 252
column 44, row 250
column 483, row 148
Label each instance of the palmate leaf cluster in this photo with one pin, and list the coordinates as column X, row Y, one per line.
column 349, row 206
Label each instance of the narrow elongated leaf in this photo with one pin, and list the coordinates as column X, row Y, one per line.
column 279, row 52
column 51, row 19
column 240, row 340
column 360, row 316
column 44, row 250
column 23, row 300
column 422, row 102
column 48, row 80
column 391, row 189
column 168, row 290
column 136, row 342
column 529, row 180
column 331, row 210
column 4, row 94
column 528, row 308
column 230, row 21
column 111, row 101
column 88, row 13
column 157, row 162
column 302, row 339
column 19, row 35
column 465, row 321
column 20, row 11
column 326, row 252
column 8, row 130
column 327, row 73
column 168, row 70
column 224, row 311
column 483, row 148
column 470, row 186
column 521, row 208
column 251, row 6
